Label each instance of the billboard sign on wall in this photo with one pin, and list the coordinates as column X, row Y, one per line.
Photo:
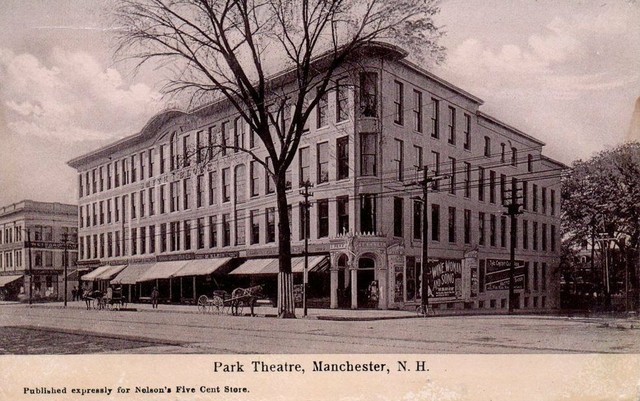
column 446, row 278
column 497, row 274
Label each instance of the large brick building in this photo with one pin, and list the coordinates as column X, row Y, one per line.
column 186, row 221
column 33, row 239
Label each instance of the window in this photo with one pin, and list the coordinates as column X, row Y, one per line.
column 304, row 219
column 240, row 183
column 100, row 173
column 525, row 234
column 134, row 205
column 535, row 198
column 323, row 218
column 173, row 151
column 151, row 156
column 514, row 157
column 175, row 236
column 254, row 179
column 368, row 154
column 544, row 237
column 134, row 241
column 525, row 195
column 398, row 214
column 240, row 228
column 419, row 164
column 213, row 185
column 268, row 179
column 143, row 240
column 481, row 228
column 452, row 176
column 163, row 238
column 342, row 203
column 467, row 226
column 321, row 110
column 238, row 134
column 467, row 131
column 213, row 231
column 270, row 219
column 544, row 200
column 186, row 152
column 436, row 168
column 492, row 186
column 101, row 206
column 152, row 239
column 134, row 171
column 255, row 227
column 492, row 229
column 417, row 219
column 398, row 102
column 435, row 118
column 503, row 155
column 452, row 125
column 142, row 203
column 553, row 238
column 199, row 190
column 534, row 234
column 342, row 101
column 481, row 183
column 225, row 137
column 487, row 146
column 452, row 224
column 342, row 153
column 94, row 186
column 288, row 179
column 226, row 229
column 152, row 200
column 186, row 188
column 503, row 231
column 226, row 185
column 399, row 159
column 417, row 111
column 80, row 188
column 435, row 222
column 367, row 213
column 174, row 196
column 323, row 162
column 369, row 94
column 530, row 163
column 163, row 159
column 467, row 180
column 503, row 188
column 163, row 200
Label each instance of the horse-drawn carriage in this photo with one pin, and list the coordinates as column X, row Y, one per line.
column 112, row 299
column 234, row 303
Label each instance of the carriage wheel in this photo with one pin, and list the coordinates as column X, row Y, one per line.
column 203, row 301
column 218, row 304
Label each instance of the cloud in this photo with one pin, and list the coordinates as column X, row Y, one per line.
column 70, row 96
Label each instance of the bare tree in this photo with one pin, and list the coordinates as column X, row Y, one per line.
column 226, row 49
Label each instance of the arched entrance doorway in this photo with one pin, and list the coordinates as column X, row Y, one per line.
column 344, row 287
column 367, row 291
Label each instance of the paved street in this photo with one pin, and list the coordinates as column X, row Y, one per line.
column 179, row 330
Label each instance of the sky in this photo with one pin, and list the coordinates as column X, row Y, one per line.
column 566, row 72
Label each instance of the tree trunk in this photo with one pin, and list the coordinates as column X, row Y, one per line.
column 286, row 304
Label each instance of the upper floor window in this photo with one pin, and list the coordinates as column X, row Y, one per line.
column 323, row 162
column 487, row 146
column 342, row 101
column 342, row 154
column 530, row 163
column 467, row 131
column 452, row 125
column 368, row 213
column 254, row 180
column 398, row 102
column 399, row 159
column 226, row 185
column 435, row 118
column 368, row 154
column 417, row 111
column 173, row 151
column 514, row 157
column 369, row 94
column 303, row 165
column 238, row 137
column 240, row 184
column 322, row 109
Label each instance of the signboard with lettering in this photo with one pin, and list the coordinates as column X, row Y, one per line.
column 446, row 278
column 497, row 274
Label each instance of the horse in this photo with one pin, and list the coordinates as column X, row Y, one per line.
column 96, row 295
column 245, row 297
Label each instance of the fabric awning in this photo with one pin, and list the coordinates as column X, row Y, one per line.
column 103, row 273
column 162, row 270
column 200, row 267
column 272, row 266
column 4, row 280
column 131, row 274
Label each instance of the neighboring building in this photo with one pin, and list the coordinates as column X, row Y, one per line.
column 33, row 236
column 187, row 221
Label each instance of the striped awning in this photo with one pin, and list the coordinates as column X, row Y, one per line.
column 103, row 273
column 131, row 274
column 272, row 266
column 199, row 267
column 162, row 270
column 4, row 280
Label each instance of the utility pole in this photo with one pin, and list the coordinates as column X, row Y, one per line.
column 513, row 209
column 65, row 262
column 305, row 218
column 426, row 272
column 30, row 268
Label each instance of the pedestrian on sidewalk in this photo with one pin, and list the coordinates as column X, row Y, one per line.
column 74, row 293
column 154, row 298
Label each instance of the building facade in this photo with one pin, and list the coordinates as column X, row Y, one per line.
column 37, row 239
column 160, row 198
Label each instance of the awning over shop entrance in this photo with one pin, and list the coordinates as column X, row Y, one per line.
column 162, row 270
column 271, row 266
column 4, row 280
column 103, row 273
column 131, row 274
column 200, row 267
